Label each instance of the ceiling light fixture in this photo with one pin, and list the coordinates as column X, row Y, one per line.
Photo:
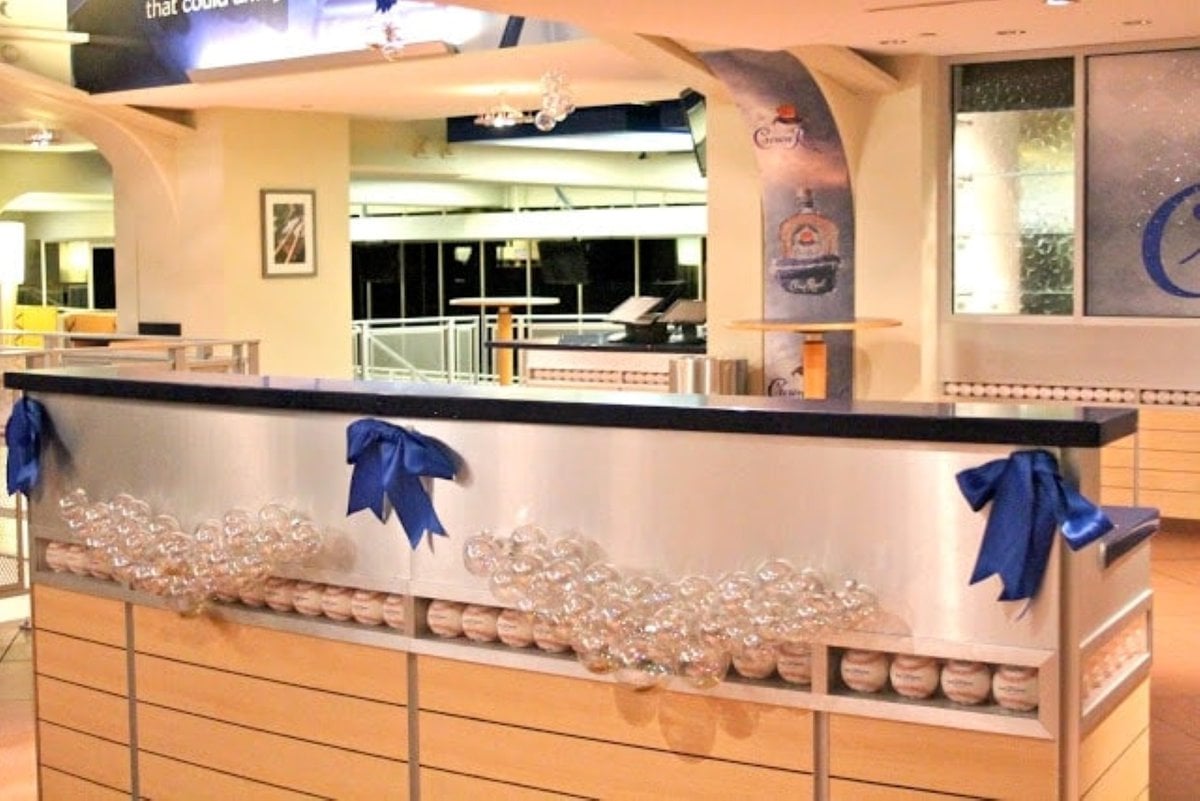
column 41, row 137
column 1011, row 32
column 502, row 115
column 1136, row 22
column 1061, row 2
column 557, row 101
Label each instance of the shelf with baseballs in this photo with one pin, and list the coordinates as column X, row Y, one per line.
column 375, row 670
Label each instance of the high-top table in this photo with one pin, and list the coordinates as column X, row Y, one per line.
column 813, row 351
column 504, row 326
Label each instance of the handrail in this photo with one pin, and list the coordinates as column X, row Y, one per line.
column 173, row 353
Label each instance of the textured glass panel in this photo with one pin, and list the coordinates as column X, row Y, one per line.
column 1014, row 190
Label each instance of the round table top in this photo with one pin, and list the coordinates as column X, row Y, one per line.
column 811, row 327
column 504, row 301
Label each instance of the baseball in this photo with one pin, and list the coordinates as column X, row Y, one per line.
column 445, row 618
column 1016, row 687
column 547, row 638
column 794, row 663
column 56, row 556
column 479, row 622
column 335, row 602
column 865, row 671
column 966, row 682
column 366, row 607
column 515, row 628
column 914, row 676
column 306, row 597
column 394, row 611
column 77, row 560
column 278, row 593
column 253, row 595
column 755, row 663
column 98, row 565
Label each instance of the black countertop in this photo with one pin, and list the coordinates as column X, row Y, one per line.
column 1012, row 424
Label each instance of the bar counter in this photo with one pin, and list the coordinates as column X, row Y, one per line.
column 136, row 700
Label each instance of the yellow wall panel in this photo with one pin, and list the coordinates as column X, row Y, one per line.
column 281, row 656
column 99, row 713
column 55, row 785
column 945, row 760
column 91, row 664
column 83, row 755
column 270, row 758
column 694, row 724
column 84, row 616
column 341, row 720
column 592, row 768
column 163, row 778
column 438, row 785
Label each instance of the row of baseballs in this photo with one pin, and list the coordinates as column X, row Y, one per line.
column 1011, row 686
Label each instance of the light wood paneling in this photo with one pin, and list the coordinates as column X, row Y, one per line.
column 1181, row 461
column 83, row 755
column 438, row 785
column 58, row 786
column 693, row 724
column 84, row 616
column 270, row 758
column 1116, row 496
column 342, row 720
column 945, row 760
column 842, row 790
column 1161, row 418
column 1106, row 743
column 81, row 662
column 1150, row 439
column 1172, row 504
column 293, row 658
column 99, row 713
column 163, row 779
column 592, row 768
column 1128, row 777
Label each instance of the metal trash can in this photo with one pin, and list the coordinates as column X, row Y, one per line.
column 707, row 375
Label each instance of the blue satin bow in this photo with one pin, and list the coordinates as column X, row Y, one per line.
column 1029, row 501
column 384, row 5
column 388, row 463
column 23, row 436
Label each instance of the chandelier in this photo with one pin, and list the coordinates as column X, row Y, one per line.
column 557, row 104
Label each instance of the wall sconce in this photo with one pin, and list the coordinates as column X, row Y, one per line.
column 12, row 252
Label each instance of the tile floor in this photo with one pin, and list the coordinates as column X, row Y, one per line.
column 1175, row 693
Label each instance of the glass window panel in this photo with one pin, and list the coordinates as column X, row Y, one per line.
column 1014, row 188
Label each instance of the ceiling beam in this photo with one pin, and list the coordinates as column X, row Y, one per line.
column 670, row 58
column 847, row 67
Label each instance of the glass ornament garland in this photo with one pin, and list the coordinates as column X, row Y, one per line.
column 645, row 631
column 151, row 553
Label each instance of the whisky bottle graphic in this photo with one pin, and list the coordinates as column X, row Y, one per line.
column 808, row 244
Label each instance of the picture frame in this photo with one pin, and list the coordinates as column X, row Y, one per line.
column 289, row 246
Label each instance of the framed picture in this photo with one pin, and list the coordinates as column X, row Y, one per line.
column 289, row 233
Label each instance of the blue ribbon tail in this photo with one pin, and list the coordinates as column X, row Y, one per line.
column 23, row 436
column 1030, row 501
column 389, row 462
column 383, row 6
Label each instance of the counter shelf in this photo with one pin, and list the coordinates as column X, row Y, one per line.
column 669, row 484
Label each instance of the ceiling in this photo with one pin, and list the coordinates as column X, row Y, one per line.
column 601, row 73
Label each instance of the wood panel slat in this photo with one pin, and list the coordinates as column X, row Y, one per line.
column 162, row 779
column 438, row 785
column 1172, row 504
column 84, row 755
column 270, row 758
column 1159, row 418
column 1183, row 461
column 92, row 711
column 944, row 760
column 1173, row 480
column 367, row 672
column 843, row 790
column 694, row 724
column 1105, row 744
column 340, row 720
column 1128, row 777
column 1116, row 496
column 81, row 662
column 1155, row 440
column 84, row 616
column 591, row 768
column 58, row 786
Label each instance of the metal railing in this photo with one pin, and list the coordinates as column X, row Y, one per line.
column 451, row 349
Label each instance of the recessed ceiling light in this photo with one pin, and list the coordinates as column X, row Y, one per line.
column 926, row 34
column 1134, row 22
column 1061, row 2
column 893, row 41
column 1011, row 32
